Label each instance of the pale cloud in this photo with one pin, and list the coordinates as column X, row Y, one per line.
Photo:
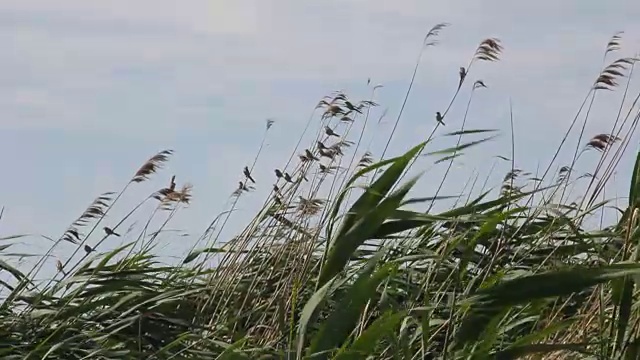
column 210, row 17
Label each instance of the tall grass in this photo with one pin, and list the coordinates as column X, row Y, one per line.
column 343, row 261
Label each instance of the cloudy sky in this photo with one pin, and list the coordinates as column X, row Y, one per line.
column 90, row 89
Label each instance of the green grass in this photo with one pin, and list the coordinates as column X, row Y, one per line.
column 350, row 260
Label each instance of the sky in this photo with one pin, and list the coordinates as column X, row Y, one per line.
column 90, row 89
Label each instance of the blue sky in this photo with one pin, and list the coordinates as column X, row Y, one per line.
column 90, row 89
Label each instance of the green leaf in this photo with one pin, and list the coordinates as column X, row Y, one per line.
column 341, row 322
column 634, row 189
column 375, row 192
column 364, row 229
column 456, row 149
column 13, row 271
column 449, row 157
column 309, row 311
column 398, row 226
column 369, row 340
column 489, row 302
column 230, row 352
column 471, row 131
column 624, row 311
column 476, row 207
column 195, row 253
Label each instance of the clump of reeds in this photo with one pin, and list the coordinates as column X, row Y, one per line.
column 345, row 260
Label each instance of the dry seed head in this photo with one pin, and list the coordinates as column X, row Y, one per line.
column 365, row 160
column 162, row 193
column 310, row 207
column 585, row 175
column 596, row 144
column 563, row 173
column 340, row 96
column 270, row 123
column 512, row 175
column 614, row 42
column 508, row 188
column 479, row 84
column 462, row 74
column 71, row 235
column 151, row 166
column 182, row 196
column 96, row 210
column 369, row 103
column 434, row 32
column 607, row 80
column 332, row 111
column 352, row 107
column 601, row 141
column 606, row 138
column 322, row 103
column 489, row 50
